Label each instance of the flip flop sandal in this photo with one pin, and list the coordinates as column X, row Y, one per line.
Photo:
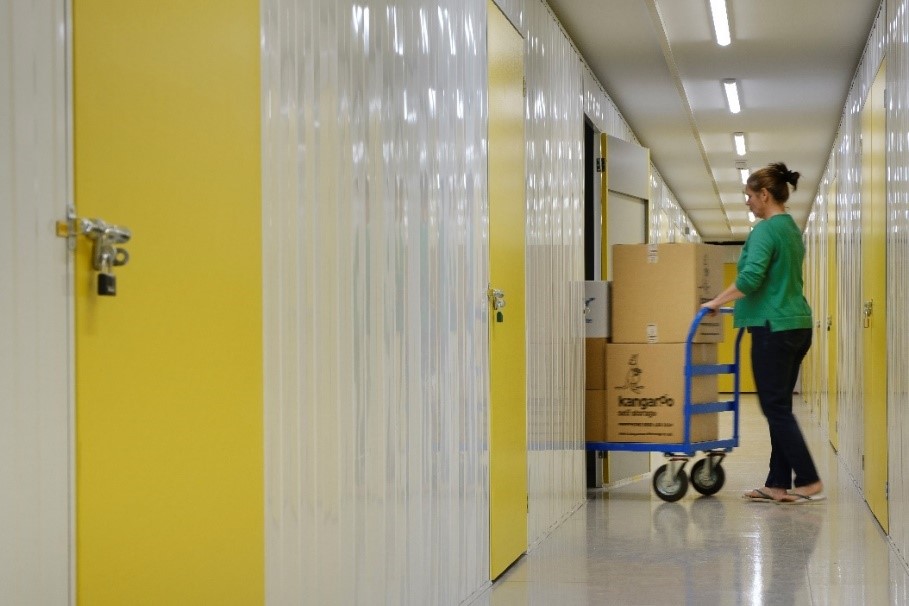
column 757, row 495
column 794, row 498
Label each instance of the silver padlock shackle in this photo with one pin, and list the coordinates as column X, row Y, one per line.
column 96, row 229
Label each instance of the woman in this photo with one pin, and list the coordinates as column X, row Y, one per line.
column 775, row 312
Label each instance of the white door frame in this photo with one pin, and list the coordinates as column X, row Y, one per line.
column 37, row 562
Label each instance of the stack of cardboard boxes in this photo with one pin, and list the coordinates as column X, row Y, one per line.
column 656, row 292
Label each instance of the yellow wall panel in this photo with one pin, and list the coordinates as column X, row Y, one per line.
column 169, row 383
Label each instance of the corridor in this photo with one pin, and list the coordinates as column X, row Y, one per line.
column 626, row 547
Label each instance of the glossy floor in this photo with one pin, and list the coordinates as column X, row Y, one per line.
column 627, row 547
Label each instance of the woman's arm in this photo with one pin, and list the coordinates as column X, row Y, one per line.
column 730, row 294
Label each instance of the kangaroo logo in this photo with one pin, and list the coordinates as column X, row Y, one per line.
column 633, row 376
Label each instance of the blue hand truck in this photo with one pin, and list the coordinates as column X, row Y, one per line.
column 670, row 482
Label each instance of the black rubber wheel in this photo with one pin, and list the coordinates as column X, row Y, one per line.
column 707, row 481
column 668, row 488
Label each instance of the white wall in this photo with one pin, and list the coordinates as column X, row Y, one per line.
column 845, row 169
column 897, row 28
column 555, row 273
column 35, row 416
column 375, row 268
column 375, row 307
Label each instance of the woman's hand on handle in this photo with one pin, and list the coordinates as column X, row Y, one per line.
column 712, row 305
column 730, row 294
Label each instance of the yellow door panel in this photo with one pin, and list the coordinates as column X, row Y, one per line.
column 169, row 452
column 726, row 349
column 604, row 247
column 832, row 319
column 874, row 295
column 507, row 335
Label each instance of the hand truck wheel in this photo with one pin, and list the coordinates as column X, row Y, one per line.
column 670, row 482
column 707, row 476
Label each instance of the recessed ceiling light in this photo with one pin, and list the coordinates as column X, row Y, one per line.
column 731, row 88
column 720, row 22
column 739, row 143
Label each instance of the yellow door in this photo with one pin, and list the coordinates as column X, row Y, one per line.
column 604, row 210
column 508, row 408
column 169, row 452
column 874, row 295
column 726, row 349
column 604, row 250
column 831, row 320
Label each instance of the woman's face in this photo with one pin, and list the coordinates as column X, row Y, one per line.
column 757, row 202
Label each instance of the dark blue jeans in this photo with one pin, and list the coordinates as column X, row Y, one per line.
column 775, row 360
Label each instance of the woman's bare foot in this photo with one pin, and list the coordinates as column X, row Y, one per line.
column 808, row 490
column 810, row 493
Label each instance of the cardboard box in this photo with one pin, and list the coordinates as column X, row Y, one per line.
column 645, row 393
column 658, row 288
column 595, row 364
column 596, row 301
column 595, row 415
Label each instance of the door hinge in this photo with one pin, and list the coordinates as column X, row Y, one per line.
column 601, row 165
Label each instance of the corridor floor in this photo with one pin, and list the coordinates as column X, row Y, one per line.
column 627, row 547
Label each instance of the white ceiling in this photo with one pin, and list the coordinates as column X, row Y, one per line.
column 658, row 61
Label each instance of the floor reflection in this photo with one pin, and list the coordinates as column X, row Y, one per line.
column 629, row 548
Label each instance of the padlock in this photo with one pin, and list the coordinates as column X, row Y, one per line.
column 107, row 284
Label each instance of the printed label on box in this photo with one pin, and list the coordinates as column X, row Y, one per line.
column 705, row 287
column 653, row 253
column 652, row 333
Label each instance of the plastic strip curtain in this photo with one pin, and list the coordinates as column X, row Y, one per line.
column 375, row 265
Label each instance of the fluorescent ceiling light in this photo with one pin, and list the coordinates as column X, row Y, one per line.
column 744, row 173
column 720, row 22
column 739, row 143
column 731, row 87
column 751, row 216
